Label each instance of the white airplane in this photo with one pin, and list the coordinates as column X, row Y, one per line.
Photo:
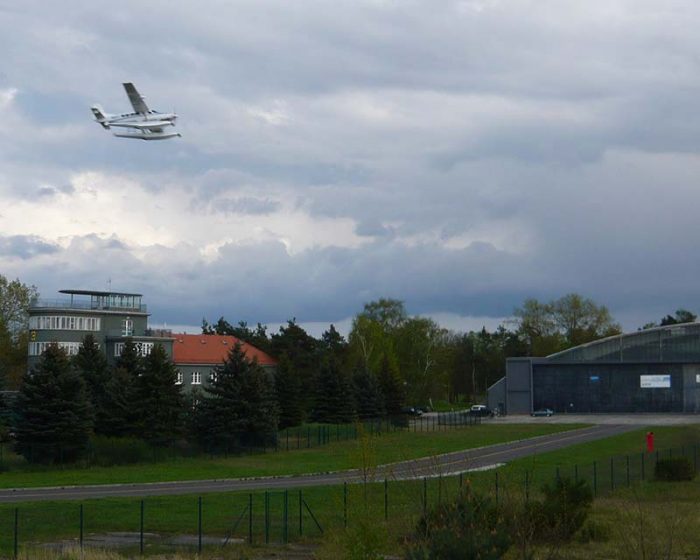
column 147, row 123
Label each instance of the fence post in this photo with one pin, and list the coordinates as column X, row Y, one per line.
column 286, row 516
column 612, row 473
column 496, row 487
column 267, row 517
column 386, row 500
column 250, row 518
column 199, row 524
column 81, row 526
column 527, row 486
column 141, row 530
column 301, row 515
column 16, row 533
column 595, row 479
column 345, row 504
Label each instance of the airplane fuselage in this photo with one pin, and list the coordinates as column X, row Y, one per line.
column 145, row 123
column 136, row 118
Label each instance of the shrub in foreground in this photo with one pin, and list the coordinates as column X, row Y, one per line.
column 674, row 469
column 470, row 527
column 563, row 510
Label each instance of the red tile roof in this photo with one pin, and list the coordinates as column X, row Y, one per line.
column 213, row 349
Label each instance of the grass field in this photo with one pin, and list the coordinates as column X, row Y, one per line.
column 386, row 448
column 391, row 510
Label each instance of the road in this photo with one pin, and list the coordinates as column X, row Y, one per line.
column 447, row 464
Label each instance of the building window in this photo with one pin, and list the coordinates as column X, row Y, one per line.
column 127, row 327
column 70, row 348
column 142, row 348
column 213, row 376
column 196, row 378
column 178, row 381
column 65, row 323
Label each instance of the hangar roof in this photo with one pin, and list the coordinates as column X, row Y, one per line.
column 672, row 343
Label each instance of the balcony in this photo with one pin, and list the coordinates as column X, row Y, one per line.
column 86, row 305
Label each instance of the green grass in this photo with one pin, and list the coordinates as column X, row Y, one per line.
column 43, row 522
column 387, row 448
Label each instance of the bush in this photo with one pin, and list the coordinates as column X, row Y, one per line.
column 470, row 527
column 109, row 451
column 593, row 531
column 563, row 511
column 365, row 541
column 674, row 469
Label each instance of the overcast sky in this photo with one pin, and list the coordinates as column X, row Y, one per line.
column 458, row 155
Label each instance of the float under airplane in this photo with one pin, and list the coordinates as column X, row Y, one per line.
column 142, row 124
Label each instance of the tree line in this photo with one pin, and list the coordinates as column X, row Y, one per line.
column 388, row 361
column 64, row 401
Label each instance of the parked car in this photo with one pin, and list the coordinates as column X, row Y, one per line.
column 480, row 410
column 412, row 411
column 543, row 412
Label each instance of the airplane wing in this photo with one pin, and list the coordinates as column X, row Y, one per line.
column 136, row 99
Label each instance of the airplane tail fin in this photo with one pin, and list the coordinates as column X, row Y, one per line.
column 100, row 117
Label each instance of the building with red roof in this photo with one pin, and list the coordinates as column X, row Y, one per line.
column 196, row 356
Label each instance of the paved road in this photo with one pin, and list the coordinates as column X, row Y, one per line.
column 636, row 419
column 450, row 463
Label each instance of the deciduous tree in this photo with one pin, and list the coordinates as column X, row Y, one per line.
column 15, row 299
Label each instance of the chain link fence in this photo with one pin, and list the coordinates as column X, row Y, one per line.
column 116, row 451
column 287, row 515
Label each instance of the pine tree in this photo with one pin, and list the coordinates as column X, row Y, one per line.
column 130, row 360
column 238, row 408
column 117, row 415
column 288, row 390
column 158, row 399
column 335, row 401
column 54, row 418
column 391, row 386
column 302, row 349
column 369, row 399
column 91, row 363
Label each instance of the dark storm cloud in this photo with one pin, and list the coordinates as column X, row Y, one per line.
column 25, row 246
